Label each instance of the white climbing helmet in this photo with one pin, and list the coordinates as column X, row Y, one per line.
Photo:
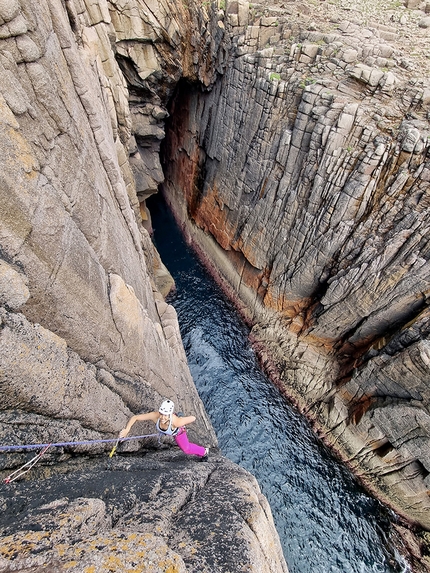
column 167, row 408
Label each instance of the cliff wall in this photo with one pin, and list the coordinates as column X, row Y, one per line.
column 86, row 338
column 306, row 176
column 76, row 261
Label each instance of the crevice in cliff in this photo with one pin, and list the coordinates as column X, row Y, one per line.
column 396, row 338
column 418, row 328
column 180, row 150
column 73, row 18
column 137, row 87
column 384, row 449
column 236, row 218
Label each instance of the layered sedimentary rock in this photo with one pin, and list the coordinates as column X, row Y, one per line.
column 306, row 176
column 86, row 337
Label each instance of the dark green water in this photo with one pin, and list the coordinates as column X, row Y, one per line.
column 326, row 522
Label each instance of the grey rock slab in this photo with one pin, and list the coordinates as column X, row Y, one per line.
column 155, row 511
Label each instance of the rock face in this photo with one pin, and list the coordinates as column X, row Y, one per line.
column 306, row 176
column 156, row 513
column 86, row 337
column 296, row 157
column 76, row 259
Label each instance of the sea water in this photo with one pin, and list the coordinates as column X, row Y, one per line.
column 326, row 522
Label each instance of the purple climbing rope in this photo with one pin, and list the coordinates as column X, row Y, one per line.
column 61, row 444
column 27, row 467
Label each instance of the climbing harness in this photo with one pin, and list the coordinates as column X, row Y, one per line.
column 27, row 466
column 169, row 431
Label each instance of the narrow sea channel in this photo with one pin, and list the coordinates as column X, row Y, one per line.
column 326, row 522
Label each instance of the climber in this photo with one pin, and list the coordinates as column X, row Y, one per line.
column 170, row 424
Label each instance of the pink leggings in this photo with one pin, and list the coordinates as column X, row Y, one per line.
column 182, row 440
